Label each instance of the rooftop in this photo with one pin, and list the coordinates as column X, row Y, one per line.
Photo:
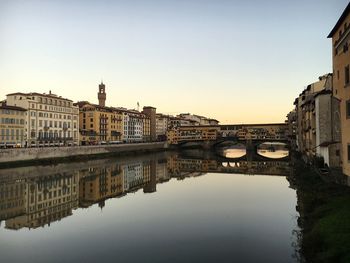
column 340, row 21
column 7, row 107
column 50, row 95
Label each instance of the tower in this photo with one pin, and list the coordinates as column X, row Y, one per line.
column 150, row 112
column 101, row 95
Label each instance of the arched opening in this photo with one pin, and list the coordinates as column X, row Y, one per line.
column 234, row 151
column 273, row 150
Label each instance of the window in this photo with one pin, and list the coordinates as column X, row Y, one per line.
column 348, row 109
column 347, row 75
column 348, row 152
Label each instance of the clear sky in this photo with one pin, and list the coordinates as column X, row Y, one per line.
column 237, row 61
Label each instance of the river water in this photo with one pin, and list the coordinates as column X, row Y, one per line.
column 166, row 207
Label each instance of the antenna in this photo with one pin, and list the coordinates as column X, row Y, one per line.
column 138, row 106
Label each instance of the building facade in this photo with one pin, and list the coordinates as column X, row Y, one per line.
column 315, row 122
column 13, row 124
column 99, row 124
column 51, row 120
column 162, row 123
column 192, row 133
column 150, row 113
column 133, row 126
column 340, row 36
column 197, row 119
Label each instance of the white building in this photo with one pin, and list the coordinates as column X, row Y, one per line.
column 51, row 119
column 133, row 175
column 133, row 126
column 162, row 122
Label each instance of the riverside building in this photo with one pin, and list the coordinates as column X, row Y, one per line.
column 99, row 124
column 162, row 123
column 13, row 122
column 50, row 121
column 137, row 127
column 340, row 35
column 315, row 122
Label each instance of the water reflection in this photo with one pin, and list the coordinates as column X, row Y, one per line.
column 234, row 152
column 273, row 150
column 35, row 197
column 264, row 151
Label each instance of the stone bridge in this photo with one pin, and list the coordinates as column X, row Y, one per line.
column 213, row 136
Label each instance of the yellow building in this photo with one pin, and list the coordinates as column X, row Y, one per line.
column 12, row 126
column 100, row 184
column 192, row 133
column 340, row 35
column 99, row 124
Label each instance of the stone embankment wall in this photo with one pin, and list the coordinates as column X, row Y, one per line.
column 29, row 154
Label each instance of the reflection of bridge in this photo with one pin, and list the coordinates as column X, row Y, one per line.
column 281, row 168
column 250, row 156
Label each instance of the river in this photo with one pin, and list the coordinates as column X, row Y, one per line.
column 165, row 207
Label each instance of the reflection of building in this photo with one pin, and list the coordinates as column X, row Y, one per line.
column 12, row 198
column 12, row 126
column 51, row 119
column 162, row 171
column 48, row 199
column 341, row 81
column 99, row 184
column 31, row 200
column 136, row 175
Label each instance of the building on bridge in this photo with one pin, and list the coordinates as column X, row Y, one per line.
column 192, row 133
column 270, row 131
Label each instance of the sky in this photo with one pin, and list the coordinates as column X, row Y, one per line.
column 236, row 61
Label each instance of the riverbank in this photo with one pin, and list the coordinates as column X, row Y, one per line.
column 324, row 209
column 32, row 156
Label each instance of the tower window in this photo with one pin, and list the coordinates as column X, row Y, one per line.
column 347, row 75
column 348, row 109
